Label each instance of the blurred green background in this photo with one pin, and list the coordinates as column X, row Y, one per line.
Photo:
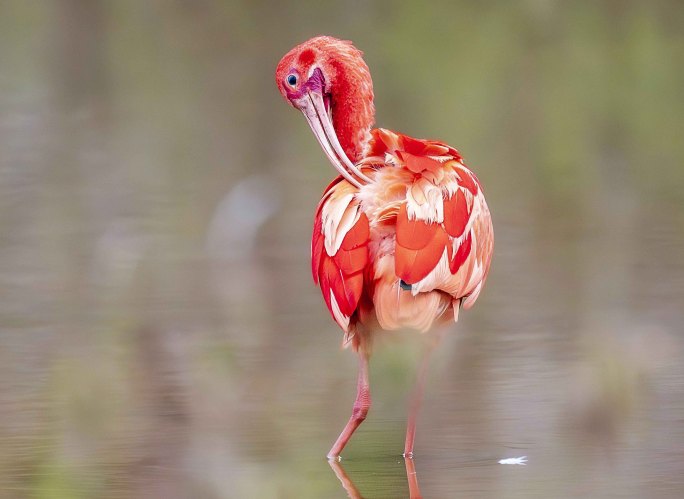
column 160, row 333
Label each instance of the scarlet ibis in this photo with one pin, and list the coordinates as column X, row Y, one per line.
column 403, row 237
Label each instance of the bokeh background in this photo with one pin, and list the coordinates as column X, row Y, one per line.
column 160, row 333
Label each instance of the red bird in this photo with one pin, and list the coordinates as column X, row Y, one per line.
column 402, row 238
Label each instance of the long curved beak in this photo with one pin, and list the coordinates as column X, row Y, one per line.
column 312, row 104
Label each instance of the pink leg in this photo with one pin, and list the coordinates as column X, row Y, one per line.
column 361, row 406
column 416, row 400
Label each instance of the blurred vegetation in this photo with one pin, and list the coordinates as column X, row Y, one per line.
column 160, row 336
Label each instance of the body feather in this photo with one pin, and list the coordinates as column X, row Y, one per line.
column 422, row 220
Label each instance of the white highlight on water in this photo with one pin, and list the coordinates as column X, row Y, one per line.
column 522, row 460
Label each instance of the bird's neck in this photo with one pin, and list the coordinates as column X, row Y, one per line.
column 353, row 115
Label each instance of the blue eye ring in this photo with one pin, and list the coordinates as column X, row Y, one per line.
column 292, row 80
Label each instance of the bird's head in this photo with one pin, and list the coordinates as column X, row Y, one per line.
column 328, row 80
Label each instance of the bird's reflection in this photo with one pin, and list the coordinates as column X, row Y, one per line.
column 412, row 477
column 344, row 479
column 353, row 492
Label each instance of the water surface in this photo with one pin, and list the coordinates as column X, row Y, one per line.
column 159, row 332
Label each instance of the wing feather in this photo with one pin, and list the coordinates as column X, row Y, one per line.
column 424, row 220
column 456, row 214
column 443, row 227
column 419, row 247
column 339, row 251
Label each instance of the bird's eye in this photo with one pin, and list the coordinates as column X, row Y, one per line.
column 292, row 80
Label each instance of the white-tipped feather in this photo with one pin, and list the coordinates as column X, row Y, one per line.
column 340, row 318
column 476, row 274
column 350, row 216
column 456, row 304
column 440, row 275
column 331, row 216
column 424, row 201
column 469, row 301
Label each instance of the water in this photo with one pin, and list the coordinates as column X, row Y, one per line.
column 161, row 336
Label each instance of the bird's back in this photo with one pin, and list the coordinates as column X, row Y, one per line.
column 407, row 249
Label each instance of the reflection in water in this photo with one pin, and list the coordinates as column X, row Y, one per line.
column 344, row 479
column 412, row 477
column 353, row 492
column 516, row 461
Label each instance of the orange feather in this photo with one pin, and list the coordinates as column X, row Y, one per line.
column 412, row 265
column 456, row 214
column 413, row 234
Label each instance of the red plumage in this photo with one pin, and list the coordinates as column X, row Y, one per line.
column 403, row 236
column 340, row 274
column 456, row 214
